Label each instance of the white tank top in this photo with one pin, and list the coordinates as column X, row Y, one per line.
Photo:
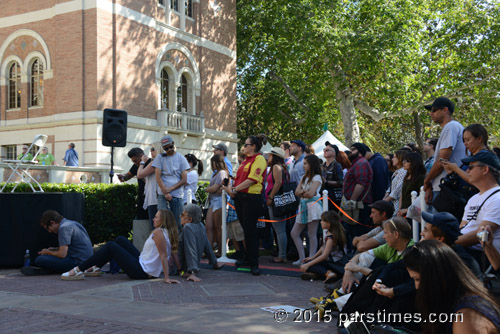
column 150, row 258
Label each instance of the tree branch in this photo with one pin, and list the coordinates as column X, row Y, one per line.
column 292, row 95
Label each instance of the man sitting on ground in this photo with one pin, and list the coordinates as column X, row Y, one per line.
column 193, row 242
column 74, row 246
column 381, row 211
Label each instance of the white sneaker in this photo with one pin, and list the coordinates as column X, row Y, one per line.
column 298, row 263
column 75, row 276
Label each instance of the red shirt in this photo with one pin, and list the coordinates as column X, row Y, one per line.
column 253, row 168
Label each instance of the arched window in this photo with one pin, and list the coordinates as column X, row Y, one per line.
column 36, row 84
column 15, row 86
column 174, row 4
column 182, row 95
column 164, row 89
column 188, row 7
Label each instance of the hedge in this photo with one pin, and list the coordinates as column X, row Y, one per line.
column 109, row 208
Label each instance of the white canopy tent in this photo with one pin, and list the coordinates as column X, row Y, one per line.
column 319, row 144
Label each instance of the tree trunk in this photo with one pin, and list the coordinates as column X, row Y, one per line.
column 418, row 131
column 349, row 117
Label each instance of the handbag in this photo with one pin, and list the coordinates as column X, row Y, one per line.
column 453, row 195
column 285, row 202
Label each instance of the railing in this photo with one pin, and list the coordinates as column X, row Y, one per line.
column 180, row 120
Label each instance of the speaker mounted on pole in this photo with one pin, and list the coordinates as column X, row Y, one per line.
column 114, row 128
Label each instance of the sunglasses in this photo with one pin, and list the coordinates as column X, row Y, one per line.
column 152, row 149
column 247, row 144
column 168, row 147
column 471, row 167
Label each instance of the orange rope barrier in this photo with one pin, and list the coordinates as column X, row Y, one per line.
column 321, row 198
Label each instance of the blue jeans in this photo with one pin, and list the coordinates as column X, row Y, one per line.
column 152, row 209
column 176, row 205
column 55, row 264
column 280, row 229
column 123, row 252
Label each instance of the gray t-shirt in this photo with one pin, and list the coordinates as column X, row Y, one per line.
column 217, row 179
column 171, row 171
column 297, row 170
column 377, row 234
column 451, row 137
column 75, row 236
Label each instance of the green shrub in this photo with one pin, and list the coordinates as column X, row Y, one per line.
column 201, row 195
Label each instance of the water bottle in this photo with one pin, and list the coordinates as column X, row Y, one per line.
column 27, row 258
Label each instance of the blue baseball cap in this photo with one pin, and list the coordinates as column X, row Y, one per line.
column 299, row 143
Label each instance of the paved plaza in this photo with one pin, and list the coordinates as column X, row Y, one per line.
column 223, row 302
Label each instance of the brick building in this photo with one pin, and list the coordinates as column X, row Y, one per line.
column 171, row 64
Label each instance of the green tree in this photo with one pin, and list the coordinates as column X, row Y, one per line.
column 366, row 67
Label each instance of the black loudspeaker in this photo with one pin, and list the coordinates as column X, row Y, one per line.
column 20, row 222
column 114, row 128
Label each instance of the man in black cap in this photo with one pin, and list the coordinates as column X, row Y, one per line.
column 444, row 227
column 450, row 145
column 135, row 155
column 482, row 209
column 380, row 212
column 332, row 174
column 356, row 190
column 380, row 173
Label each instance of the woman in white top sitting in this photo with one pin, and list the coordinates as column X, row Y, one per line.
column 192, row 177
column 151, row 262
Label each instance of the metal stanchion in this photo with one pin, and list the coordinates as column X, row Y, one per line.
column 325, row 208
column 224, row 258
column 415, row 223
column 423, row 206
column 189, row 196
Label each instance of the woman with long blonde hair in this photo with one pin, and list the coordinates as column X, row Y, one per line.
column 150, row 263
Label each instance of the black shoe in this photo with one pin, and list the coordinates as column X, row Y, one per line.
column 242, row 263
column 308, row 276
column 255, row 270
column 34, row 271
column 236, row 255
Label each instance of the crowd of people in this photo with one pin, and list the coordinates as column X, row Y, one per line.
column 366, row 257
column 45, row 158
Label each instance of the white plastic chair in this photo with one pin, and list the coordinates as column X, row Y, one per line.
column 21, row 167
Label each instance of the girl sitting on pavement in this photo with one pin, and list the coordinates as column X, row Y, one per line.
column 151, row 262
column 323, row 262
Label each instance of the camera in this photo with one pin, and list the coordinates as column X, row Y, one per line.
column 225, row 182
column 482, row 236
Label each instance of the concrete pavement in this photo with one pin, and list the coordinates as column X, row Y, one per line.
column 223, row 301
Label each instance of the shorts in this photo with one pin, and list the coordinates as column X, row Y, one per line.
column 215, row 203
column 235, row 231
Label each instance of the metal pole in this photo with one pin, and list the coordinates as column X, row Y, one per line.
column 111, row 172
column 415, row 223
column 223, row 257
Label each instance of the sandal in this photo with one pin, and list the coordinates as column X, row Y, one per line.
column 330, row 278
column 72, row 275
column 93, row 271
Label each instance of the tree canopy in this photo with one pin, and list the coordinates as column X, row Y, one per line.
column 365, row 67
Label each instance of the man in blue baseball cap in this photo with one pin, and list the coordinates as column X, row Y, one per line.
column 482, row 209
column 297, row 149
